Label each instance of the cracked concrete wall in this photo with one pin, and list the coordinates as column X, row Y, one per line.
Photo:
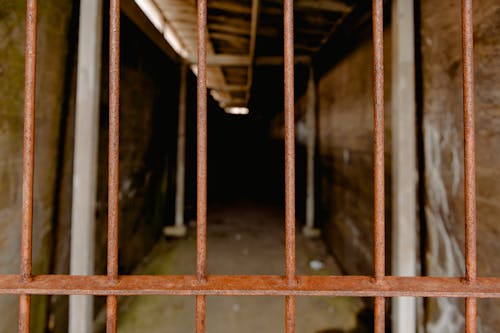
column 53, row 23
column 443, row 146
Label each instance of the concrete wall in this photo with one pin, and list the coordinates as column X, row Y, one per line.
column 54, row 17
column 443, row 146
column 345, row 147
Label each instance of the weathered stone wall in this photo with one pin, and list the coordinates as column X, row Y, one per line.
column 345, row 146
column 443, row 145
column 53, row 22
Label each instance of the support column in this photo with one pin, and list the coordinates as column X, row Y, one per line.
column 309, row 230
column 85, row 160
column 404, row 161
column 179, row 229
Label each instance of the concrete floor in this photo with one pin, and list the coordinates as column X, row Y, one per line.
column 242, row 239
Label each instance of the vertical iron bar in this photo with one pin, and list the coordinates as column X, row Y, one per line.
column 290, row 314
column 201, row 223
column 113, row 157
column 201, row 306
column 379, row 314
column 289, row 143
column 378, row 147
column 289, row 63
column 111, row 307
column 469, row 159
column 202, row 142
column 28, row 161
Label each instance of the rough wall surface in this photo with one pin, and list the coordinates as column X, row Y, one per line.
column 53, row 24
column 148, row 125
column 345, row 144
column 148, row 133
column 443, row 145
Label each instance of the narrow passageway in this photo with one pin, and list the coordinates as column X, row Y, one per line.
column 243, row 238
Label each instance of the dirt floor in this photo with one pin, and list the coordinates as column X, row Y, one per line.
column 242, row 239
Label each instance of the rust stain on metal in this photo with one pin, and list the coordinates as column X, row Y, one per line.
column 201, row 307
column 290, row 307
column 378, row 141
column 379, row 312
column 289, row 123
column 469, row 160
column 252, row 285
column 378, row 159
column 289, row 141
column 113, row 158
column 24, row 313
column 28, row 161
column 114, row 137
column 201, row 213
column 111, row 313
column 201, row 220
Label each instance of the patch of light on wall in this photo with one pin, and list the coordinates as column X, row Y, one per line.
column 158, row 20
column 237, row 110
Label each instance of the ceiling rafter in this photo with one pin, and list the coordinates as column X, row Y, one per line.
column 235, row 27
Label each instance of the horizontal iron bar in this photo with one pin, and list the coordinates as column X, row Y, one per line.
column 252, row 285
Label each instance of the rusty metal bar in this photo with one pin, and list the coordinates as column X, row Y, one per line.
column 250, row 285
column 28, row 161
column 111, row 310
column 378, row 159
column 289, row 142
column 201, row 221
column 469, row 160
column 202, row 143
column 201, row 307
column 289, row 64
column 113, row 158
column 290, row 307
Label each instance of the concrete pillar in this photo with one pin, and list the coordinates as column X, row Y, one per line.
column 404, row 161
column 179, row 229
column 85, row 160
column 308, row 230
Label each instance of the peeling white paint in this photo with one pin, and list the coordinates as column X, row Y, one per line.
column 444, row 256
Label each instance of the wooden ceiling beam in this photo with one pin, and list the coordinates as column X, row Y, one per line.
column 278, row 61
column 229, row 87
column 228, row 28
column 327, row 5
column 253, row 38
column 136, row 15
column 231, row 38
column 229, row 6
column 234, row 60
